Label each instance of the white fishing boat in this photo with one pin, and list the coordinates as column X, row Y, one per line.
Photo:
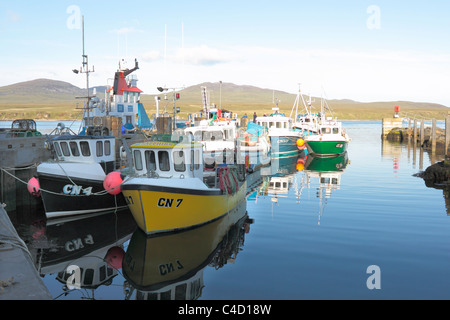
column 219, row 142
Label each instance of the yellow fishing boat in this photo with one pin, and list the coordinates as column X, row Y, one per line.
column 170, row 190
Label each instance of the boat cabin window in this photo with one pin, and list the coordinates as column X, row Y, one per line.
column 65, row 149
column 164, row 163
column 107, row 148
column 213, row 136
column 84, row 146
column 325, row 130
column 335, row 130
column 99, row 147
column 150, row 160
column 137, row 160
column 178, row 161
column 58, row 149
column 74, row 148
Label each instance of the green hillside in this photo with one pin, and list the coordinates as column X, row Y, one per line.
column 51, row 99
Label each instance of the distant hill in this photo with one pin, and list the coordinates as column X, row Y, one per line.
column 46, row 89
column 52, row 99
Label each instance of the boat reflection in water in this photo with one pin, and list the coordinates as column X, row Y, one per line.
column 280, row 177
column 84, row 252
column 328, row 171
column 170, row 266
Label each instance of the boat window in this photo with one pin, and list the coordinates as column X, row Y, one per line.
column 74, row 149
column 65, row 149
column 335, row 130
column 88, row 277
column 163, row 159
column 326, row 130
column 213, row 136
column 180, row 292
column 278, row 124
column 58, row 149
column 99, row 148
column 137, row 160
column 165, row 295
column 102, row 273
column 178, row 161
column 150, row 160
column 107, row 148
column 195, row 288
column 84, row 146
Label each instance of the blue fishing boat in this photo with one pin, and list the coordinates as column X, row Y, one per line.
column 283, row 138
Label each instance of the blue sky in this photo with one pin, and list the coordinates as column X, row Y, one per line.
column 361, row 50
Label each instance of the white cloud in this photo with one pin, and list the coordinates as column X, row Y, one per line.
column 203, row 56
column 126, row 30
column 151, row 55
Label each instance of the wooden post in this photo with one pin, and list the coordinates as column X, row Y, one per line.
column 447, row 132
column 409, row 128
column 422, row 132
column 415, row 131
column 433, row 136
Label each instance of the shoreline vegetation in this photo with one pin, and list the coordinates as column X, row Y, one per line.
column 44, row 99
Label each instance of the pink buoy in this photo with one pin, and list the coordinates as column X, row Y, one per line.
column 114, row 257
column 33, row 187
column 112, row 183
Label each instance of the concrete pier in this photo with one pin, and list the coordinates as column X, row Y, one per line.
column 19, row 279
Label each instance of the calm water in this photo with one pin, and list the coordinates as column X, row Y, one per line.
column 292, row 245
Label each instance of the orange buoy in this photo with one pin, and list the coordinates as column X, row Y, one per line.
column 33, row 187
column 112, row 183
column 300, row 144
column 300, row 164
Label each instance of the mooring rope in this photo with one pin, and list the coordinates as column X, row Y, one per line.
column 99, row 193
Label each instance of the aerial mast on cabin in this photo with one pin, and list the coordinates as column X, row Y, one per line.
column 85, row 69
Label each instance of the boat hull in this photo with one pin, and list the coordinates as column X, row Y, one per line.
column 327, row 148
column 284, row 146
column 75, row 196
column 168, row 209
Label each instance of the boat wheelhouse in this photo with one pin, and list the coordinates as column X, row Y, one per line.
column 170, row 192
column 72, row 183
column 283, row 138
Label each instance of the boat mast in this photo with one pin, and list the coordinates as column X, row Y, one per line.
column 85, row 69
